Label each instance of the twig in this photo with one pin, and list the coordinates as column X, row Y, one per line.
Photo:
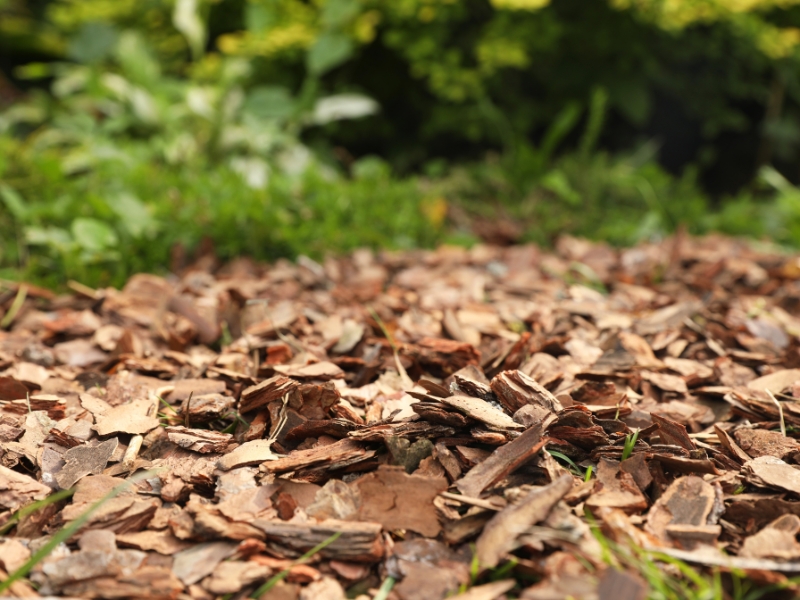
column 780, row 411
column 132, row 452
column 188, row 407
column 471, row 501
column 84, row 290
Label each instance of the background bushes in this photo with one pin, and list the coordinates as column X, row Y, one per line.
column 278, row 127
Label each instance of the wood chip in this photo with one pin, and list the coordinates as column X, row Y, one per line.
column 396, row 500
column 502, row 462
column 133, row 418
column 482, row 411
column 501, row 532
column 249, row 453
column 85, row 460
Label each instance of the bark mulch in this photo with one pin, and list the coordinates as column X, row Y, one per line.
column 418, row 423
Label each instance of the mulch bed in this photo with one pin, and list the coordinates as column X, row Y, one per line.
column 428, row 421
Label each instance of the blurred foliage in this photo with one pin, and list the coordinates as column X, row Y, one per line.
column 453, row 76
column 122, row 160
column 255, row 124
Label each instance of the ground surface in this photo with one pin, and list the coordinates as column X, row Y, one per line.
column 429, row 422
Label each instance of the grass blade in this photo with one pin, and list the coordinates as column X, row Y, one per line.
column 385, row 589
column 64, row 534
column 630, row 442
column 275, row 579
column 19, row 300
column 33, row 507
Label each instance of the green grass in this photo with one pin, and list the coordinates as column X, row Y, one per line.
column 277, row 578
column 630, row 442
column 122, row 217
column 73, row 227
column 669, row 578
column 67, row 532
column 34, row 507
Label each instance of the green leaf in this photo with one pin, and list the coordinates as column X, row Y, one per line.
column 134, row 214
column 329, row 51
column 136, row 58
column 55, row 237
column 558, row 183
column 270, row 102
column 187, row 20
column 93, row 43
column 34, row 70
column 93, row 235
column 258, row 17
column 371, row 167
column 14, row 202
column 632, row 99
column 336, row 13
column 343, row 106
column 559, row 129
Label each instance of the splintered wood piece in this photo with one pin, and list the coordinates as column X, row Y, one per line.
column 135, row 417
column 621, row 585
column 502, row 462
column 54, row 406
column 482, row 411
column 206, row 407
column 500, row 534
column 731, row 446
column 126, row 512
column 260, row 395
column 85, row 460
column 249, row 453
column 412, row 430
column 163, row 542
column 663, row 381
column 358, row 542
column 688, row 501
column 11, row 389
column 487, row 591
column 680, row 464
column 514, row 390
column 776, row 540
column 396, row 500
column 17, row 489
column 322, row 371
column 669, row 317
column 761, row 442
column 192, row 564
column 619, row 489
column 199, row 440
column 579, row 427
column 156, row 583
column 641, row 351
column 319, row 456
column 437, row 412
column 314, row 401
column 773, row 472
column 470, row 381
column 444, row 356
column 775, row 382
column 672, row 432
